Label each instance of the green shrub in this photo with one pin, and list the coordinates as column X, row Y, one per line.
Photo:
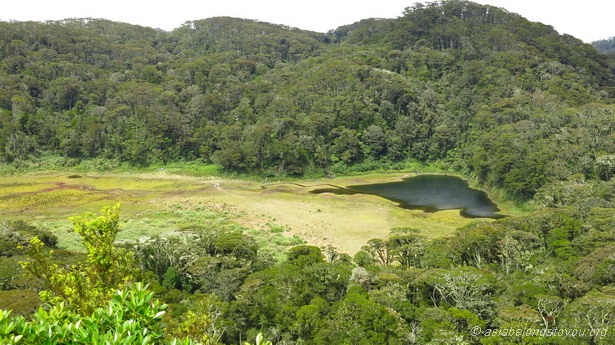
column 132, row 316
column 17, row 233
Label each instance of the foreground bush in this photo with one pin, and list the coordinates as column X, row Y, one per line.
column 132, row 316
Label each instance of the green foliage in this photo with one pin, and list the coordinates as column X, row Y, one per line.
column 85, row 285
column 213, row 260
column 593, row 311
column 359, row 320
column 304, row 255
column 201, row 320
column 132, row 316
column 598, row 267
column 16, row 234
column 259, row 340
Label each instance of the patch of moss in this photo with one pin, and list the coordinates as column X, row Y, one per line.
column 21, row 302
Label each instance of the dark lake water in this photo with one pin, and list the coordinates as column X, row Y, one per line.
column 429, row 193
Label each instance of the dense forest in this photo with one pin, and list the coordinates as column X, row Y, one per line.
column 481, row 88
column 510, row 102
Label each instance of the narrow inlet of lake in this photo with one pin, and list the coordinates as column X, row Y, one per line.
column 429, row 193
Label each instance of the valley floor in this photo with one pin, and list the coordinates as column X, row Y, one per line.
column 155, row 203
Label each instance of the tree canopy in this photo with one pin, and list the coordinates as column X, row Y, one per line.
column 473, row 85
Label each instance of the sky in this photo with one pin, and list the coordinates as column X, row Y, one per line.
column 588, row 20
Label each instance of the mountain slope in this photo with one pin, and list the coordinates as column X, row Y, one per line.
column 475, row 86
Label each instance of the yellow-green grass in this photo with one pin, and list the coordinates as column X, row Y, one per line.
column 50, row 199
column 160, row 202
column 156, row 182
column 21, row 187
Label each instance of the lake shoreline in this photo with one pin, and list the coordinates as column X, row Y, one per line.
column 345, row 222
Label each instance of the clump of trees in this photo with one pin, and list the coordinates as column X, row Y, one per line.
column 97, row 300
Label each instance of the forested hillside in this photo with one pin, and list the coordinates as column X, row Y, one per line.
column 480, row 90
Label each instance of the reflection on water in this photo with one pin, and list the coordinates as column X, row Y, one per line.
column 429, row 193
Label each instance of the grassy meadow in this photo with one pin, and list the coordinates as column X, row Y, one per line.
column 278, row 214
